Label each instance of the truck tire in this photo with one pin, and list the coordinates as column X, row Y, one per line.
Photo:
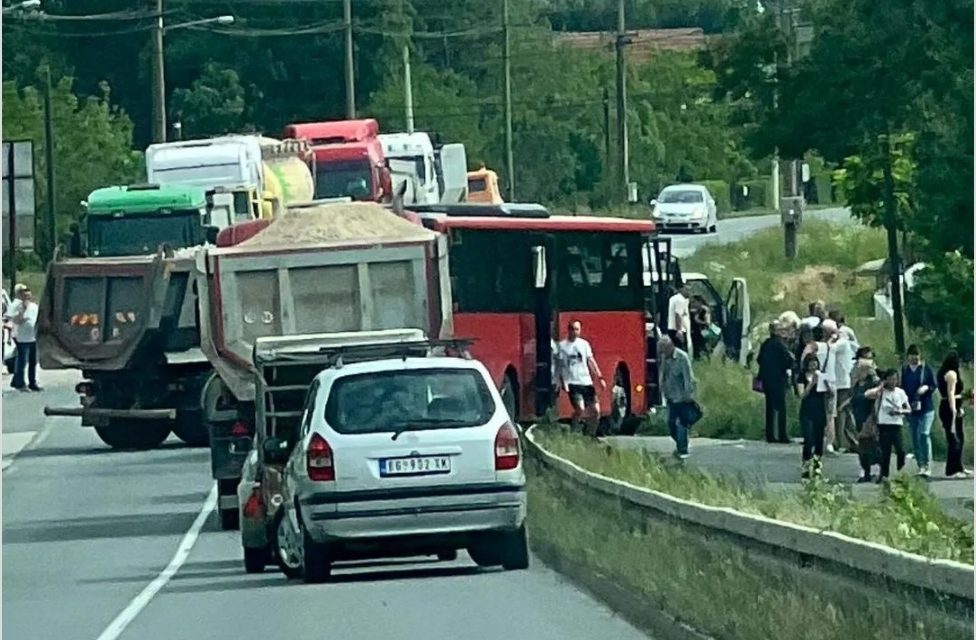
column 191, row 429
column 134, row 434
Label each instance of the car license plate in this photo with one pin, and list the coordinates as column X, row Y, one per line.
column 415, row 466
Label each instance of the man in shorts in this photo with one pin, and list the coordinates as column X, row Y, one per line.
column 577, row 369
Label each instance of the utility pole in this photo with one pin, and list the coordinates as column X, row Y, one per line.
column 894, row 260
column 407, row 87
column 52, row 234
column 12, row 221
column 606, row 124
column 158, row 80
column 350, row 69
column 622, row 143
column 507, row 55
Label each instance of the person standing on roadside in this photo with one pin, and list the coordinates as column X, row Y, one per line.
column 951, row 414
column 918, row 381
column 892, row 408
column 844, row 358
column 775, row 368
column 813, row 414
column 679, row 319
column 24, row 318
column 865, row 378
column 678, row 389
column 818, row 312
column 844, row 329
column 822, row 347
column 577, row 369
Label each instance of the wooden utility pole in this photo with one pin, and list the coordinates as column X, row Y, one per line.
column 622, row 143
column 52, row 233
column 350, row 69
column 158, row 79
column 507, row 56
column 894, row 260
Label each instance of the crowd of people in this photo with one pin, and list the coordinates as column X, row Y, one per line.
column 847, row 403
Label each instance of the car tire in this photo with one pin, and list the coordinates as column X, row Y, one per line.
column 138, row 435
column 292, row 571
column 255, row 559
column 448, row 556
column 713, row 228
column 317, row 561
column 191, row 428
column 515, row 550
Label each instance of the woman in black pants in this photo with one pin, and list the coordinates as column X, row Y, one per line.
column 951, row 414
column 813, row 416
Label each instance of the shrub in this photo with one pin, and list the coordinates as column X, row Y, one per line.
column 759, row 195
column 720, row 191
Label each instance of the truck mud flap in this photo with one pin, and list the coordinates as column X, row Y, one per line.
column 227, row 452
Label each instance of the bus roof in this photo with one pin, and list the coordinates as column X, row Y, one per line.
column 553, row 223
column 145, row 198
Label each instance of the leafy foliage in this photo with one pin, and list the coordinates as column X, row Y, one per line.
column 214, row 104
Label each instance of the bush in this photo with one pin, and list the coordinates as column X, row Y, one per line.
column 720, row 191
column 759, row 196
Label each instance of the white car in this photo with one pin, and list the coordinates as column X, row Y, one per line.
column 685, row 207
column 404, row 457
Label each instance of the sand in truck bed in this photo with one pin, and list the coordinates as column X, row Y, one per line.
column 336, row 223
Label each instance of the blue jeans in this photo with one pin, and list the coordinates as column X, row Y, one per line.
column 26, row 363
column 678, row 426
column 920, row 426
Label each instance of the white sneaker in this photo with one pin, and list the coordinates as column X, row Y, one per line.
column 924, row 472
column 831, row 450
column 682, row 456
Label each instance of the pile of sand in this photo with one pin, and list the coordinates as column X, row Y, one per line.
column 337, row 222
column 813, row 283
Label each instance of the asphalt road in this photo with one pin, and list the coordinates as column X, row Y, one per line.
column 735, row 229
column 93, row 540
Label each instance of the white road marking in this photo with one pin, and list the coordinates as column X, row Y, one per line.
column 117, row 626
column 13, row 443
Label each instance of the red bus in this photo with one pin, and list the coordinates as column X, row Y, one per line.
column 518, row 273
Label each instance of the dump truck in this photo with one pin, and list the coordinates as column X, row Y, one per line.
column 319, row 269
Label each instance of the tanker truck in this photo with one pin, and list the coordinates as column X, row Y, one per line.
column 319, row 269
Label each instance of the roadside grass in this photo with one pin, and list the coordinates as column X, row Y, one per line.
column 824, row 269
column 906, row 517
column 714, row 585
column 33, row 279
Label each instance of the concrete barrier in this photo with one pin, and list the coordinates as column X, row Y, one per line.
column 943, row 577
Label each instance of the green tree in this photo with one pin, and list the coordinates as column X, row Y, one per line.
column 92, row 145
column 213, row 105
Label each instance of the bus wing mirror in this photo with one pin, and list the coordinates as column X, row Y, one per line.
column 539, row 272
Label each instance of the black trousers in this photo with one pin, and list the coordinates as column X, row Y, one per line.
column 775, row 412
column 890, row 437
column 26, row 361
column 955, row 439
column 813, row 421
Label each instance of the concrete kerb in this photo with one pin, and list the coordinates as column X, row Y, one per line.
column 945, row 577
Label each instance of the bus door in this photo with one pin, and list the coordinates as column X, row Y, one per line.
column 543, row 275
column 661, row 274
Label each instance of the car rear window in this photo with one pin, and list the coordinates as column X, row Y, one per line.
column 413, row 399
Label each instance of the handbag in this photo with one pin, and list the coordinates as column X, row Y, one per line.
column 693, row 413
column 757, row 384
column 869, row 430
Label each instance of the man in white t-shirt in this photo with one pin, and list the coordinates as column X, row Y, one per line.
column 24, row 317
column 577, row 368
column 892, row 409
column 844, row 427
column 679, row 319
column 818, row 311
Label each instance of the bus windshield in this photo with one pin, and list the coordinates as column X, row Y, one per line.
column 142, row 234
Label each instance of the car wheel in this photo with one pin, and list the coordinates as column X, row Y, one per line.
column 134, row 434
column 515, row 550
column 713, row 228
column 286, row 547
column 448, row 556
column 317, row 562
column 255, row 559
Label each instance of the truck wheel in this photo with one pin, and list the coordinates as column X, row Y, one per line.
column 134, row 434
column 191, row 429
column 255, row 559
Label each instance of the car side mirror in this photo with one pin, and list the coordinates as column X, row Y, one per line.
column 212, row 232
column 539, row 273
column 276, row 450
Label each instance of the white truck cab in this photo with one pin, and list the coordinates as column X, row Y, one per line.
column 411, row 158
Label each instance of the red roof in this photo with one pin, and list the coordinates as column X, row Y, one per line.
column 338, row 131
column 554, row 223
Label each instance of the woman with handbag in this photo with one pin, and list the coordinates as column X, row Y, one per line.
column 865, row 410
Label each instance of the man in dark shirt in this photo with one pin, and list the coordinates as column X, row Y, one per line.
column 775, row 366
column 918, row 381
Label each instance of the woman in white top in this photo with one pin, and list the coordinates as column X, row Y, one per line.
column 893, row 406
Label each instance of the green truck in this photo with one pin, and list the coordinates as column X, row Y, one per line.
column 120, row 306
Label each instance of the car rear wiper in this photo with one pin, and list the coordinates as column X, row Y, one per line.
column 422, row 422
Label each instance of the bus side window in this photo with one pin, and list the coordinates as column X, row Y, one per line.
column 615, row 266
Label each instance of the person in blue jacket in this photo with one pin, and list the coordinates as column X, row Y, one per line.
column 918, row 381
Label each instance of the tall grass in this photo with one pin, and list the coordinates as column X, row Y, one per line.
column 906, row 517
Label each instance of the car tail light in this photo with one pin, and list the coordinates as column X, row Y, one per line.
column 239, row 430
column 254, row 507
column 319, row 460
column 507, row 449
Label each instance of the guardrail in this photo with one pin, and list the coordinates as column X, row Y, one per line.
column 942, row 577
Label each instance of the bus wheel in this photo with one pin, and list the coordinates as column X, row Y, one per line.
column 509, row 393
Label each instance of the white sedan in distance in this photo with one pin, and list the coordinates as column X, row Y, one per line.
column 688, row 207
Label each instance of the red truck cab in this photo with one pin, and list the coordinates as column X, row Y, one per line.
column 349, row 159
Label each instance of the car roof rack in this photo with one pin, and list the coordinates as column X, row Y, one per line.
column 506, row 210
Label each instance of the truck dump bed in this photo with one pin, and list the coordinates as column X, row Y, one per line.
column 108, row 314
column 325, row 269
